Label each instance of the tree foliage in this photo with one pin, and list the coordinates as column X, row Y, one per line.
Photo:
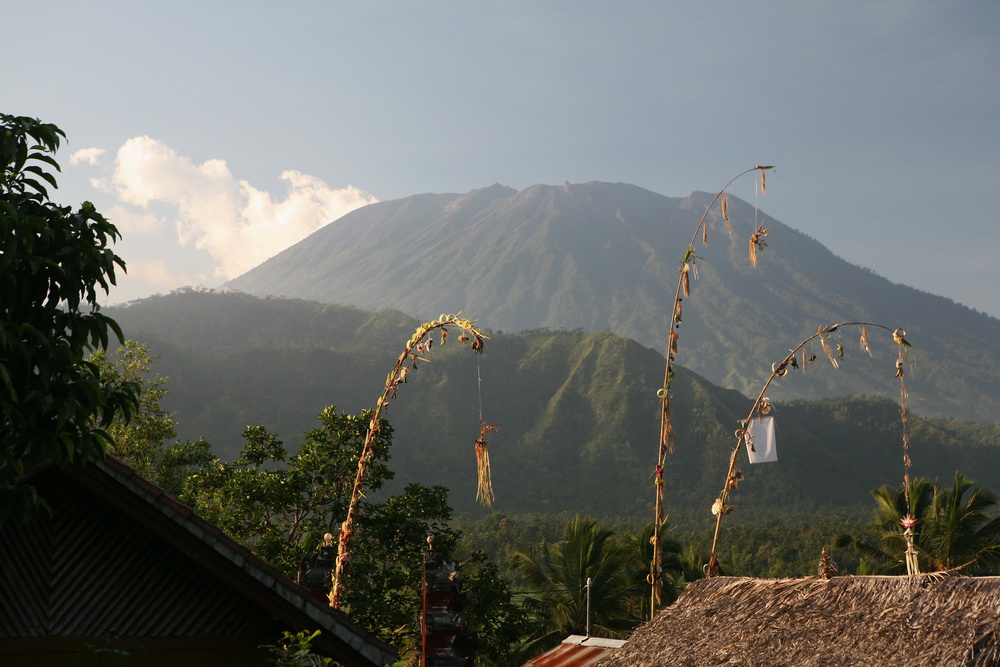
column 495, row 616
column 954, row 528
column 281, row 505
column 557, row 576
column 150, row 423
column 676, row 567
column 54, row 405
column 148, row 441
column 963, row 530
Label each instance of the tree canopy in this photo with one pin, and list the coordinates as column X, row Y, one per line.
column 148, row 441
column 54, row 405
column 954, row 528
column 282, row 505
column 559, row 574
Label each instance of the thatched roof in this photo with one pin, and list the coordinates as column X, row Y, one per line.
column 913, row 621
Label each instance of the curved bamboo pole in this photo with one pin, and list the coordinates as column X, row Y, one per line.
column 666, row 444
column 720, row 507
column 415, row 348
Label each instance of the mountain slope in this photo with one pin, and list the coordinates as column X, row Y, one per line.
column 603, row 256
column 577, row 411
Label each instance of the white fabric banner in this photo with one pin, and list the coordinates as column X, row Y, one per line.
column 760, row 433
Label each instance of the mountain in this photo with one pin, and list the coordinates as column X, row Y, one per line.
column 577, row 411
column 603, row 256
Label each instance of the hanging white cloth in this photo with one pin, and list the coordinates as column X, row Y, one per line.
column 760, row 433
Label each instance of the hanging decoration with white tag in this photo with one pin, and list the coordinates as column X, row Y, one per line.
column 761, row 446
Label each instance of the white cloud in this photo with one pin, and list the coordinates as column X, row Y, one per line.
column 144, row 277
column 131, row 222
column 239, row 225
column 156, row 274
column 88, row 155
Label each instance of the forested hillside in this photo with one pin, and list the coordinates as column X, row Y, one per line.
column 605, row 256
column 577, row 412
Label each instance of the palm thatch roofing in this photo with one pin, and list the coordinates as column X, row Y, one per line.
column 913, row 621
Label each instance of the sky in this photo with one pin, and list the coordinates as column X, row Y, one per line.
column 214, row 135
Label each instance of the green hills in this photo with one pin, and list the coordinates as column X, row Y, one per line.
column 577, row 410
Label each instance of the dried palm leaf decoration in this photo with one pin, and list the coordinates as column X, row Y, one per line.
column 757, row 242
column 903, row 344
column 762, row 405
column 484, row 487
column 826, row 347
column 484, row 483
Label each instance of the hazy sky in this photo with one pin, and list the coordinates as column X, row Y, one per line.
column 216, row 134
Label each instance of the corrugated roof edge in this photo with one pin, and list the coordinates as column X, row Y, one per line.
column 603, row 642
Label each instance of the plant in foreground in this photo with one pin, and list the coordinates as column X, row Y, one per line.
column 295, row 649
column 559, row 575
column 54, row 405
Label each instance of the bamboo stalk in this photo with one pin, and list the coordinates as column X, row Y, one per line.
column 666, row 444
column 415, row 347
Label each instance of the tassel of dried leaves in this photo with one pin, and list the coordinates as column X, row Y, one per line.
column 828, row 351
column 666, row 428
column 484, row 488
column 864, row 340
column 757, row 242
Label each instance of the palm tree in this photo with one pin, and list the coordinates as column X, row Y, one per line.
column 677, row 570
column 691, row 560
column 557, row 576
column 951, row 530
column 892, row 506
column 962, row 531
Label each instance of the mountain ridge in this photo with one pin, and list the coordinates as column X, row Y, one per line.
column 605, row 256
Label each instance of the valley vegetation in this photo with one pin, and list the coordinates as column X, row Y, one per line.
column 577, row 412
column 525, row 574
